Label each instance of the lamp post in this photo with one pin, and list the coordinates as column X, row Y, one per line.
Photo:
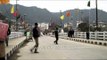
column 24, row 16
column 96, row 16
column 16, row 17
column 60, row 16
column 88, row 31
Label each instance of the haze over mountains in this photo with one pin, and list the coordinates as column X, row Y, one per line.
column 35, row 14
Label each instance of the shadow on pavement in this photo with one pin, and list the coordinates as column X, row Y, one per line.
column 15, row 56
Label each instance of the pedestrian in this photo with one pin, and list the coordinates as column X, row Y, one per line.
column 69, row 33
column 3, row 36
column 25, row 33
column 31, row 36
column 72, row 33
column 87, row 35
column 56, row 36
column 8, row 33
column 36, row 34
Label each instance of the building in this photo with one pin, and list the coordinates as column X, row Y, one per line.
column 43, row 26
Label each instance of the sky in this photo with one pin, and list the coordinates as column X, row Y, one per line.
column 63, row 5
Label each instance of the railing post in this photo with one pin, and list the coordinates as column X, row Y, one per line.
column 104, row 34
column 96, row 35
column 90, row 35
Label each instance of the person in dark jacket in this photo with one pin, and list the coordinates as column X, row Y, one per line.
column 72, row 33
column 36, row 34
column 69, row 33
column 8, row 33
column 87, row 35
column 56, row 36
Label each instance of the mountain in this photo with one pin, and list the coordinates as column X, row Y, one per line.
column 35, row 14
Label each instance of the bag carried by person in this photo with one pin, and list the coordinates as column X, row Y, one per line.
column 3, row 31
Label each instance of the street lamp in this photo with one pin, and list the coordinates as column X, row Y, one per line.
column 60, row 16
column 88, row 31
column 96, row 15
column 16, row 17
column 24, row 16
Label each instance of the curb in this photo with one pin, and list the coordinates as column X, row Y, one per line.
column 102, row 43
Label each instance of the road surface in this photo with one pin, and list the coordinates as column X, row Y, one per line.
column 65, row 50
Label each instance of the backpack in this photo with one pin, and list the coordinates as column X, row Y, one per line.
column 3, row 31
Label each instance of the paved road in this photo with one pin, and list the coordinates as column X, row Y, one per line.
column 65, row 50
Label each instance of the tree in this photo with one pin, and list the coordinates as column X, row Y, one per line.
column 66, row 29
column 83, row 27
column 2, row 17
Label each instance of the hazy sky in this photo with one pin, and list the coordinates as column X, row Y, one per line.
column 57, row 5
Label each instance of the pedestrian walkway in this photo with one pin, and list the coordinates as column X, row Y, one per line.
column 14, row 44
column 65, row 50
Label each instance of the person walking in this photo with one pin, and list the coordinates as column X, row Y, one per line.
column 3, row 37
column 56, row 36
column 36, row 34
column 8, row 33
column 72, row 33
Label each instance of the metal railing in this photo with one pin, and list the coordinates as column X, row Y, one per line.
column 15, row 35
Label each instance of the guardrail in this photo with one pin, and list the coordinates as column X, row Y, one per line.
column 95, row 42
column 15, row 35
column 93, row 35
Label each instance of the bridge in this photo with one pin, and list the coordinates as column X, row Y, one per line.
column 67, row 49
column 76, row 48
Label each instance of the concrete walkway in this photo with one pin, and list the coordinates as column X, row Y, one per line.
column 14, row 44
column 65, row 50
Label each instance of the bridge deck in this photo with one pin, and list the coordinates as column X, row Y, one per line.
column 64, row 50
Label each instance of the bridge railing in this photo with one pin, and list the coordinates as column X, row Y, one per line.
column 15, row 35
column 93, row 35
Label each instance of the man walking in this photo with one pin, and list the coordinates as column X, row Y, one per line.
column 8, row 33
column 3, row 36
column 56, row 36
column 36, row 34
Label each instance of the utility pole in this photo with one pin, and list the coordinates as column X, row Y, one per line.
column 24, row 16
column 16, row 17
column 60, row 19
column 88, row 31
column 96, row 16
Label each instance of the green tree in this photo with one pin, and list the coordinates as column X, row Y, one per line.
column 2, row 17
column 65, row 29
column 83, row 27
